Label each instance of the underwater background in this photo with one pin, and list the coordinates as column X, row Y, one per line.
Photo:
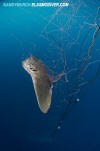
column 50, row 33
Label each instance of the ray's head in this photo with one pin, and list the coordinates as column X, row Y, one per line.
column 32, row 64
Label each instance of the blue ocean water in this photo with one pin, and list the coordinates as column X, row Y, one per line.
column 44, row 32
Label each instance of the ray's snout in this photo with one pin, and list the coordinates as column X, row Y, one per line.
column 23, row 64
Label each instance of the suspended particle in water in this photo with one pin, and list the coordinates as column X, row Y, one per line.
column 77, row 99
column 59, row 127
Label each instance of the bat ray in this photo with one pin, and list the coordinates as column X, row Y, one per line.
column 41, row 80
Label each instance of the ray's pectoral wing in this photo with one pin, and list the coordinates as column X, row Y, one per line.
column 43, row 92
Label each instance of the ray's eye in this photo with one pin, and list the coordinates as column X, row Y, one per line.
column 33, row 69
